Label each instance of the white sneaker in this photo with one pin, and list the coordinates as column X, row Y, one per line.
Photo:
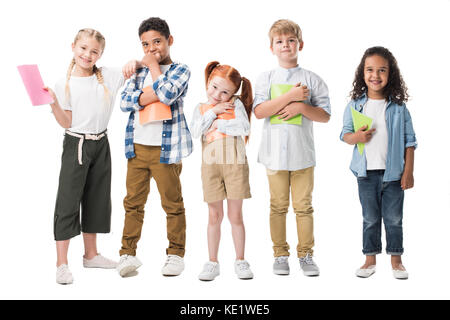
column 128, row 264
column 242, row 269
column 366, row 272
column 210, row 271
column 174, row 266
column 99, row 261
column 63, row 275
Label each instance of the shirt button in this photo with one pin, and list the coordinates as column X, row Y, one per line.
column 164, row 134
column 162, row 149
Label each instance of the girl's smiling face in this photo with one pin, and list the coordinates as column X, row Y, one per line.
column 86, row 52
column 376, row 75
column 219, row 90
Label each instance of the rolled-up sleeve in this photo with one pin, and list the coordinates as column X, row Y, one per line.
column 130, row 96
column 171, row 87
column 410, row 135
column 319, row 94
column 262, row 89
column 201, row 123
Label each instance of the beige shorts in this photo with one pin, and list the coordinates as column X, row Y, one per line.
column 225, row 172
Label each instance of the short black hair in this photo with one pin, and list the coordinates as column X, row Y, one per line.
column 156, row 24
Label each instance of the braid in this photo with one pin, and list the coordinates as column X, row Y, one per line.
column 99, row 75
column 69, row 73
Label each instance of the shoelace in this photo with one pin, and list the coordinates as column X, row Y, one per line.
column 173, row 260
column 209, row 267
column 308, row 260
column 243, row 265
column 280, row 260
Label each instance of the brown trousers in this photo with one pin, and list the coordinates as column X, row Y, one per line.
column 300, row 183
column 167, row 176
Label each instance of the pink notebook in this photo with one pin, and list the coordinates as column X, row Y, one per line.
column 35, row 86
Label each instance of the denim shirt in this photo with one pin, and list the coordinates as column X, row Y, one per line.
column 401, row 135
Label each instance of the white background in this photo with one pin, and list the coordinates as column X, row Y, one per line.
column 336, row 33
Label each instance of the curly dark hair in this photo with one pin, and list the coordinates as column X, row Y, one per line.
column 395, row 89
column 156, row 24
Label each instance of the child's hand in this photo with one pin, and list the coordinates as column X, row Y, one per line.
column 407, row 181
column 291, row 110
column 299, row 93
column 223, row 107
column 213, row 127
column 130, row 68
column 52, row 93
column 150, row 60
column 364, row 136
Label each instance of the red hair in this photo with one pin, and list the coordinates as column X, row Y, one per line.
column 227, row 72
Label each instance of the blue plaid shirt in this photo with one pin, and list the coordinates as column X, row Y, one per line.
column 171, row 88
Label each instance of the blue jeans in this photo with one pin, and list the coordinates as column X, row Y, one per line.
column 381, row 200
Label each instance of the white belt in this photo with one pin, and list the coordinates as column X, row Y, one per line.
column 83, row 137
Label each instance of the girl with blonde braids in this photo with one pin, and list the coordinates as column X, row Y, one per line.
column 83, row 104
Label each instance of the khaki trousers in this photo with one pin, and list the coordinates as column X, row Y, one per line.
column 300, row 183
column 141, row 169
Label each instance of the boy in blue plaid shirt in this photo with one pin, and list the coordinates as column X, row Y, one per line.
column 155, row 149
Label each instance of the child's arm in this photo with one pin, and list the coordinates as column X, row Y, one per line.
column 169, row 88
column 63, row 117
column 407, row 180
column 312, row 113
column 348, row 133
column 271, row 107
column 133, row 92
column 239, row 126
column 200, row 124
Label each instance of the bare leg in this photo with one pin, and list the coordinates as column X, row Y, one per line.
column 62, row 247
column 90, row 245
column 370, row 261
column 237, row 227
column 396, row 261
column 214, row 223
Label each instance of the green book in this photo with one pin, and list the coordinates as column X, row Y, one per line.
column 277, row 90
column 360, row 120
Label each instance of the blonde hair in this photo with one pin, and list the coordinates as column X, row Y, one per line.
column 285, row 26
column 87, row 32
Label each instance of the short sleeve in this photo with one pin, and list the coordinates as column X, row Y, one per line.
column 262, row 89
column 319, row 94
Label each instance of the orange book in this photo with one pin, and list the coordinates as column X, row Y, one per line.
column 155, row 111
column 215, row 135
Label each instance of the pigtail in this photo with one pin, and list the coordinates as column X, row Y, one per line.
column 99, row 75
column 69, row 73
column 209, row 69
column 247, row 100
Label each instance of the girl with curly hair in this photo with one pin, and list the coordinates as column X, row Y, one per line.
column 385, row 167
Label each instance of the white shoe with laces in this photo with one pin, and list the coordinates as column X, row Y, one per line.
column 242, row 269
column 210, row 271
column 63, row 275
column 99, row 261
column 174, row 266
column 127, row 265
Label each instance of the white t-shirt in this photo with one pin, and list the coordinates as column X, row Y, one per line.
column 376, row 148
column 90, row 108
column 149, row 134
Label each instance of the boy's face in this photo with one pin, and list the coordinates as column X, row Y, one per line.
column 286, row 47
column 156, row 44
